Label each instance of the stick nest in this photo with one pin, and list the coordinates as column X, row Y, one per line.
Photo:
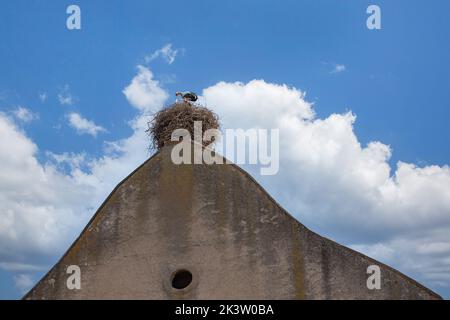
column 180, row 115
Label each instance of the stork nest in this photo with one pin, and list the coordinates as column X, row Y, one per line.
column 180, row 115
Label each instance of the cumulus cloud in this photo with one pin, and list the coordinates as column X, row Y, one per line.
column 37, row 214
column 144, row 92
column 327, row 179
column 24, row 115
column 423, row 254
column 325, row 155
column 84, row 126
column 256, row 103
column 339, row 187
column 124, row 155
column 167, row 52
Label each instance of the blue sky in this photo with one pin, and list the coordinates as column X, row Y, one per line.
column 394, row 80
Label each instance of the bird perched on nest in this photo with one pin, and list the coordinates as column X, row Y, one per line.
column 187, row 96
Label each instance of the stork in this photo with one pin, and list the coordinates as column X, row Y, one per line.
column 187, row 96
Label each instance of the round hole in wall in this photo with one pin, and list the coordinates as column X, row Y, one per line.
column 181, row 279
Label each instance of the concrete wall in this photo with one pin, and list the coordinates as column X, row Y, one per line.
column 219, row 224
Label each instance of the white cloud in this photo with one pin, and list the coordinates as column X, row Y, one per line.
column 166, row 52
column 256, row 104
column 23, row 282
column 37, row 214
column 65, row 96
column 73, row 160
column 327, row 169
column 84, row 126
column 327, row 179
column 24, row 115
column 338, row 68
column 144, row 92
column 338, row 187
column 122, row 156
column 423, row 254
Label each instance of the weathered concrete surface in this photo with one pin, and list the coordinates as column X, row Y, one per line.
column 218, row 223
